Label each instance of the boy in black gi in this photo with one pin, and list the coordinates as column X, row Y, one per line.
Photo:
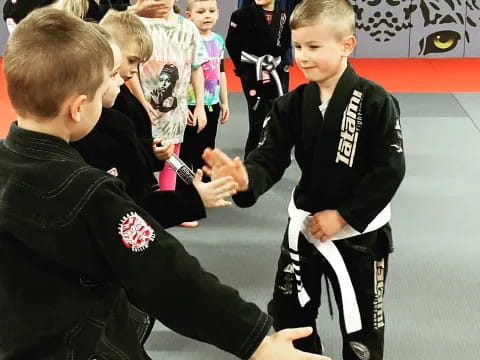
column 258, row 40
column 114, row 145
column 73, row 244
column 348, row 145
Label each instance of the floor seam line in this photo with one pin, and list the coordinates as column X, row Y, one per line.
column 466, row 113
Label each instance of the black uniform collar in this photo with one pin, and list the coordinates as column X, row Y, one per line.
column 338, row 102
column 38, row 145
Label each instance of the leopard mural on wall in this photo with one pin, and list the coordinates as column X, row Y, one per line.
column 436, row 27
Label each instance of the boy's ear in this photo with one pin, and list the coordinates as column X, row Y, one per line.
column 349, row 45
column 75, row 107
column 188, row 14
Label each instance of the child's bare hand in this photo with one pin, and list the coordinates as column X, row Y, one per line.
column 201, row 118
column 219, row 164
column 191, row 120
column 324, row 224
column 213, row 193
column 162, row 153
column 224, row 113
column 150, row 9
column 279, row 346
column 152, row 113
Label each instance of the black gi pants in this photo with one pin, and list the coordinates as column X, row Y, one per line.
column 194, row 143
column 260, row 99
column 368, row 275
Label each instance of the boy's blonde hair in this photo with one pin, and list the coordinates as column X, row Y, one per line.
column 76, row 7
column 339, row 12
column 126, row 27
column 50, row 56
column 189, row 3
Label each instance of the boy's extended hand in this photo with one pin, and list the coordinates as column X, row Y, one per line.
column 279, row 346
column 219, row 164
column 162, row 153
column 213, row 193
column 324, row 224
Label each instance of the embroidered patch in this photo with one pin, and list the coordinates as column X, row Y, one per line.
column 232, row 24
column 113, row 171
column 360, row 350
column 288, row 279
column 135, row 232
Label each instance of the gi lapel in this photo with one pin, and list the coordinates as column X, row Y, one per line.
column 334, row 115
column 276, row 28
column 260, row 23
column 312, row 119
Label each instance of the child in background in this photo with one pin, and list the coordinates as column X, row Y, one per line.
column 259, row 30
column 348, row 145
column 204, row 14
column 162, row 83
column 114, row 147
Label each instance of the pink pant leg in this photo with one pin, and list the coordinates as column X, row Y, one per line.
column 167, row 178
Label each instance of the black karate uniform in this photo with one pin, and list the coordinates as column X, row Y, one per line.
column 113, row 146
column 250, row 32
column 74, row 244
column 358, row 188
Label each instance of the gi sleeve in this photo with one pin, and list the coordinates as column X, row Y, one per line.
column 171, row 208
column 386, row 165
column 168, row 283
column 234, row 39
column 267, row 164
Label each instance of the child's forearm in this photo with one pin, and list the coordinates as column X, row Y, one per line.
column 223, row 89
column 198, row 85
column 136, row 88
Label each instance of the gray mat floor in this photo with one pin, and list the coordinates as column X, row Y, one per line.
column 433, row 289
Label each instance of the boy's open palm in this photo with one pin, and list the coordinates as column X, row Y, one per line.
column 213, row 193
column 324, row 224
column 279, row 346
column 219, row 164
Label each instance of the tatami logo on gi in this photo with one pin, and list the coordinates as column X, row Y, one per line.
column 351, row 123
column 135, row 232
column 378, row 291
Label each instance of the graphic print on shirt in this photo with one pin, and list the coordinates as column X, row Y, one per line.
column 135, row 232
column 163, row 97
column 177, row 49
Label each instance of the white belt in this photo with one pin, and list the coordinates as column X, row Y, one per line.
column 298, row 224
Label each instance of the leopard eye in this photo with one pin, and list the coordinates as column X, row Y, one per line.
column 439, row 42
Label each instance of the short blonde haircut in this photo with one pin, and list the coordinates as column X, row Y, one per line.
column 311, row 12
column 126, row 27
column 50, row 56
column 189, row 3
column 76, row 7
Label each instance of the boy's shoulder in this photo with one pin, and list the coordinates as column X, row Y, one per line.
column 375, row 93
